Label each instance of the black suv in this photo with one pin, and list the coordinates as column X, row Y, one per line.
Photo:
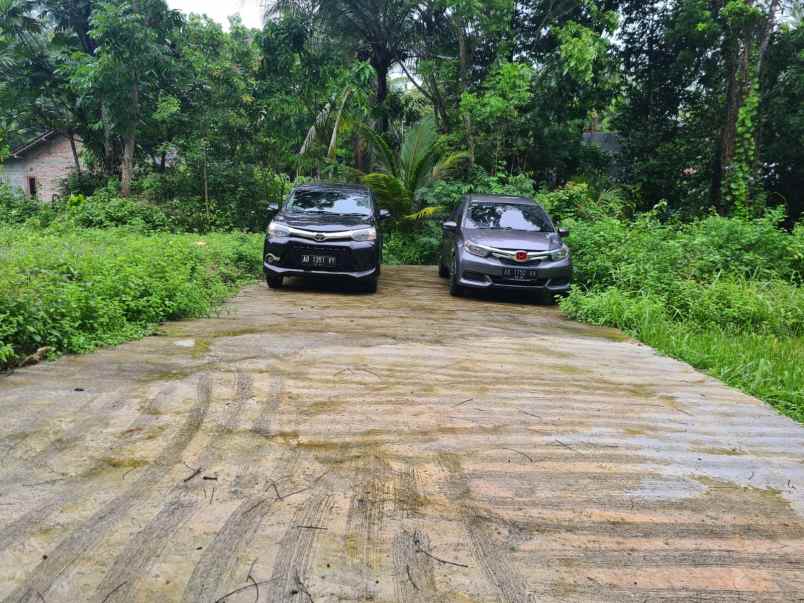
column 325, row 230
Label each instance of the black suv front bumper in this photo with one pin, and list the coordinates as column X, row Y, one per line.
column 357, row 260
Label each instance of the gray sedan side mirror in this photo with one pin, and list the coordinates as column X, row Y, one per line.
column 449, row 226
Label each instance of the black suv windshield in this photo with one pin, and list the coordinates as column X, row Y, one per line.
column 330, row 202
column 507, row 216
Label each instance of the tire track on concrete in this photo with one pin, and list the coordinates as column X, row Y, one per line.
column 22, row 432
column 293, row 557
column 215, row 571
column 85, row 536
column 216, row 568
column 493, row 558
column 414, row 579
column 147, row 545
column 21, row 527
column 90, row 419
column 364, row 523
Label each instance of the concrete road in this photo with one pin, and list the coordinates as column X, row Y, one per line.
column 310, row 445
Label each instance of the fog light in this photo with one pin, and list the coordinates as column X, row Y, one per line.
column 271, row 258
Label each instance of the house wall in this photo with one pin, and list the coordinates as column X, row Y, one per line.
column 50, row 163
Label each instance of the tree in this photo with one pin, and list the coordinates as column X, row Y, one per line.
column 132, row 59
column 420, row 160
column 379, row 31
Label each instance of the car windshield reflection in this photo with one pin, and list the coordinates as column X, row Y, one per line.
column 507, row 216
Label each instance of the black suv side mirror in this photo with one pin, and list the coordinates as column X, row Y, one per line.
column 385, row 214
column 449, row 226
column 563, row 232
column 273, row 209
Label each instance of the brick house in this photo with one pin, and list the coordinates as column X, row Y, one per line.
column 39, row 166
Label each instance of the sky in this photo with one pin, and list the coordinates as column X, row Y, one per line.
column 250, row 11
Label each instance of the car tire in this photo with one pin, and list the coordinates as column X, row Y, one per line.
column 443, row 271
column 274, row 282
column 455, row 288
column 370, row 285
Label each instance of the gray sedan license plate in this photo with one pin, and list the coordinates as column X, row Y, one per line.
column 520, row 274
column 319, row 261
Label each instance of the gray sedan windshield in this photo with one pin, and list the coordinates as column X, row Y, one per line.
column 507, row 216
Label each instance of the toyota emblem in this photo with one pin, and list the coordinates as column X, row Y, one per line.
column 319, row 236
column 521, row 256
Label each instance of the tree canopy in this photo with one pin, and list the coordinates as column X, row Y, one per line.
column 704, row 96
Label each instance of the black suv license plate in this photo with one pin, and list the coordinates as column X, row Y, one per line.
column 319, row 261
column 520, row 274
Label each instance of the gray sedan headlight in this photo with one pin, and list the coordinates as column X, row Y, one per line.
column 561, row 254
column 476, row 249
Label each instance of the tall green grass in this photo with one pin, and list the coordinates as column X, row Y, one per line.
column 75, row 290
column 723, row 294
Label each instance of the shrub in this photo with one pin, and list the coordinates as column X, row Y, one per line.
column 579, row 201
column 710, row 292
column 103, row 210
column 75, row 291
column 416, row 247
column 15, row 208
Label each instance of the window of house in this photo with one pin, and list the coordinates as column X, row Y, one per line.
column 32, row 186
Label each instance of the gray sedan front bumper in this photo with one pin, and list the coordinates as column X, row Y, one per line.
column 487, row 273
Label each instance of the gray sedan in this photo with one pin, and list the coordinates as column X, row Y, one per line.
column 505, row 243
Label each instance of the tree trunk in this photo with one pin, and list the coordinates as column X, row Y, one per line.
column 761, row 68
column 130, row 142
column 127, row 165
column 108, row 142
column 71, row 137
column 381, row 68
column 728, row 131
column 463, row 51
column 206, row 189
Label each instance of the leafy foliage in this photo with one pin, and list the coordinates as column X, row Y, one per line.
column 420, row 161
column 721, row 293
column 74, row 291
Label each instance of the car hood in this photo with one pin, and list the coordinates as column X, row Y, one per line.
column 514, row 239
column 326, row 223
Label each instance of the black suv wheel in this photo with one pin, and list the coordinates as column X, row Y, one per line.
column 274, row 282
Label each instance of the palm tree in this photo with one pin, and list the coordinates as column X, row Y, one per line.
column 379, row 30
column 419, row 162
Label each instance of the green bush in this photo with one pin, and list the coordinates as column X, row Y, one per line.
column 238, row 194
column 579, row 201
column 419, row 246
column 709, row 292
column 15, row 208
column 104, row 210
column 75, row 291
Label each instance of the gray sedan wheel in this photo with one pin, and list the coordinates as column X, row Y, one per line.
column 455, row 288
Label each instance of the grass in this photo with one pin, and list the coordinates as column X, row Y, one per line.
column 722, row 294
column 765, row 366
column 74, row 290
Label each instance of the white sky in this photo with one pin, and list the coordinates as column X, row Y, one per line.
column 250, row 11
